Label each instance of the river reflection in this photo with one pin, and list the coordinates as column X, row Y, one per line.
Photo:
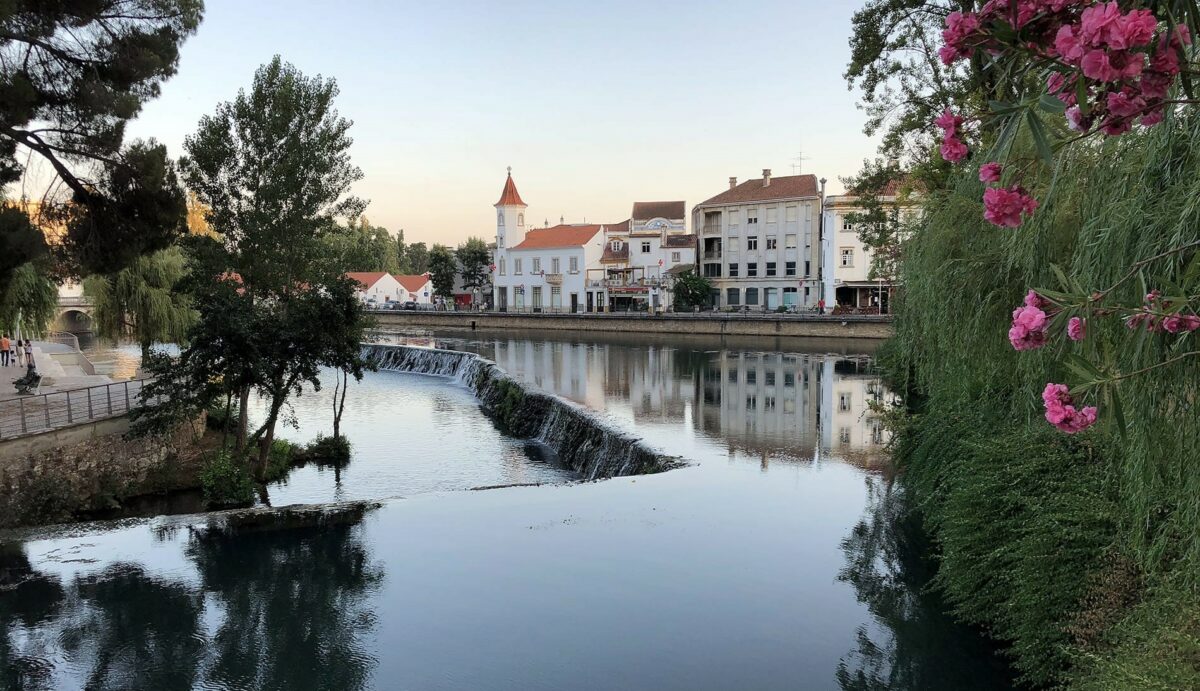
column 784, row 557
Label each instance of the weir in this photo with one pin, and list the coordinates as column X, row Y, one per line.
column 580, row 439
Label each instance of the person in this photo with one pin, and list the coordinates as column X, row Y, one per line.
column 821, row 305
column 28, row 352
column 16, row 354
column 5, row 344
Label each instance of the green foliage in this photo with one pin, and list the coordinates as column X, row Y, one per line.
column 20, row 242
column 217, row 419
column 144, row 300
column 32, row 296
column 473, row 264
column 225, row 482
column 332, row 451
column 1025, row 516
column 507, row 412
column 282, row 456
column 691, row 290
column 364, row 247
column 416, row 259
column 73, row 74
column 442, row 269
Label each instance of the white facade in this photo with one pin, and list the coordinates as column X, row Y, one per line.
column 418, row 289
column 847, row 281
column 759, row 243
column 378, row 287
column 642, row 256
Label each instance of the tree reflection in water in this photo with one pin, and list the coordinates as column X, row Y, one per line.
column 295, row 604
column 275, row 609
column 916, row 645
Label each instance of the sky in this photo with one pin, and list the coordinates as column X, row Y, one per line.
column 594, row 105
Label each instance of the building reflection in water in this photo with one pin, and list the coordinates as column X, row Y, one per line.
column 768, row 405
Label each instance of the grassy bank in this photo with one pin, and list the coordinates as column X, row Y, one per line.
column 1083, row 553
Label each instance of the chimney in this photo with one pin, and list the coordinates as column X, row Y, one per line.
column 766, row 177
column 732, row 183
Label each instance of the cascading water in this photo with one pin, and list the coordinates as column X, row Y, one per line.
column 579, row 438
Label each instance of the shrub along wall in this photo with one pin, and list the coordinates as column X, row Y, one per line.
column 1082, row 552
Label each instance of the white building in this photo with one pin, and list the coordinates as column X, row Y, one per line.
column 642, row 256
column 380, row 287
column 848, row 282
column 759, row 242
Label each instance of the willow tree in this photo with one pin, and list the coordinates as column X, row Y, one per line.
column 144, row 300
column 28, row 301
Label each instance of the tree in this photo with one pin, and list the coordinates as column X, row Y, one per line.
column 881, row 194
column 691, row 290
column 28, row 301
column 274, row 170
column 20, row 242
column 442, row 269
column 144, row 300
column 72, row 75
column 402, row 253
column 474, row 261
column 418, row 259
column 365, row 248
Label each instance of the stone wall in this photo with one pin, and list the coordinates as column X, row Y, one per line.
column 808, row 326
column 51, row 477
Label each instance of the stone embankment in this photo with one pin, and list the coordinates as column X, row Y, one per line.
column 712, row 324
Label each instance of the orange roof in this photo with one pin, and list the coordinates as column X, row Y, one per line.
column 510, row 196
column 412, row 284
column 559, row 236
column 366, row 278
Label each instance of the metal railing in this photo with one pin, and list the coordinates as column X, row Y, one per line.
column 64, row 338
column 26, row 415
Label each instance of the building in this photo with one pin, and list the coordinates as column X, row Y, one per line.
column 848, row 283
column 586, row 267
column 642, row 256
column 759, row 242
column 380, row 287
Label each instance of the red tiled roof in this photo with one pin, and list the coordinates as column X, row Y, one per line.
column 680, row 241
column 510, row 196
column 610, row 255
column 644, row 211
column 784, row 187
column 622, row 227
column 412, row 284
column 366, row 279
column 559, row 236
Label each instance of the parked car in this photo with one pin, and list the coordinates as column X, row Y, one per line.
column 411, row 305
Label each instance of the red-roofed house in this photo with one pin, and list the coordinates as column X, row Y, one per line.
column 418, row 288
column 377, row 287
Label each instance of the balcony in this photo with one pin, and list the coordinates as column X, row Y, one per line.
column 712, row 229
column 554, row 279
column 712, row 254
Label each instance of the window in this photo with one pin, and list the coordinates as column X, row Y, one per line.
column 752, row 243
column 537, row 297
column 790, row 242
column 789, row 378
column 772, row 214
column 733, row 376
column 772, row 243
column 789, row 296
column 574, row 265
column 770, row 380
column 517, row 267
column 500, row 218
column 733, row 219
column 752, row 376
column 752, row 296
column 789, row 268
column 555, row 296
column 675, row 258
column 615, row 245
column 712, row 270
column 500, row 241
column 501, row 267
column 847, row 225
column 554, row 265
column 733, row 298
column 847, row 256
column 520, row 220
column 792, row 212
column 771, row 271
column 733, row 270
column 844, row 402
column 752, row 270
column 844, row 435
column 807, row 271
column 732, row 244
column 751, row 216
column 537, row 264
column 645, row 247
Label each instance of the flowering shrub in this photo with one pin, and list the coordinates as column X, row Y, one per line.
column 1061, row 412
column 1029, row 324
column 1005, row 207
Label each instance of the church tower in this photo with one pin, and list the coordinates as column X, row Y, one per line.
column 510, row 216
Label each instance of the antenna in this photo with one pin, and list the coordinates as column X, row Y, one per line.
column 798, row 162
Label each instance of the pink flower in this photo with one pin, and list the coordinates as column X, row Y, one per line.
column 959, row 29
column 1068, row 45
column 1097, row 65
column 1076, row 119
column 1032, row 299
column 1028, row 330
column 1004, row 207
column 990, row 172
column 1061, row 412
column 1133, row 30
column 1181, row 323
column 1076, row 329
column 1096, row 22
column 954, row 150
column 948, row 122
column 1153, row 117
column 1125, row 103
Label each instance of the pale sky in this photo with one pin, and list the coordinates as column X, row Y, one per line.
column 595, row 105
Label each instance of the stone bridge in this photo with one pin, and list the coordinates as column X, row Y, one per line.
column 74, row 315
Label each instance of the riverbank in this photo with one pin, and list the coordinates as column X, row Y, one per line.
column 856, row 327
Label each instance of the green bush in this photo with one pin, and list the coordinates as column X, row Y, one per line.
column 217, row 418
column 280, row 459
column 328, row 451
column 225, row 482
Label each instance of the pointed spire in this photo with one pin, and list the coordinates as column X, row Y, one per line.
column 510, row 196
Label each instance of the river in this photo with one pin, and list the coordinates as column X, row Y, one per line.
column 781, row 557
